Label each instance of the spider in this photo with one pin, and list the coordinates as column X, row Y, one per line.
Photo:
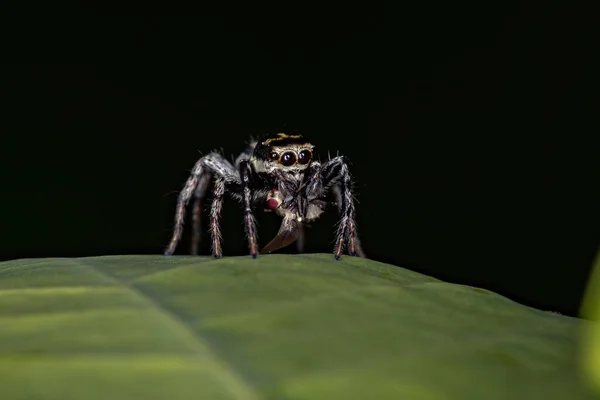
column 280, row 172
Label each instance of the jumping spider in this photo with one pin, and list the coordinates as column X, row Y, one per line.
column 279, row 171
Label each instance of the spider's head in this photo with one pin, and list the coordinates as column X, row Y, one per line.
column 282, row 152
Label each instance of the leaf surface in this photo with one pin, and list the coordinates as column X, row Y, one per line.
column 278, row 327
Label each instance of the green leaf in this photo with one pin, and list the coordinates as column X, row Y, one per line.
column 278, row 327
column 591, row 336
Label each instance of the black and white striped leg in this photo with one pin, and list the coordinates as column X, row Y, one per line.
column 215, row 215
column 212, row 164
column 335, row 175
column 246, row 177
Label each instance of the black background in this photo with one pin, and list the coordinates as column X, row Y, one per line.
column 472, row 132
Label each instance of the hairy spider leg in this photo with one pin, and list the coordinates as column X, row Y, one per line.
column 199, row 194
column 334, row 174
column 246, row 181
column 213, row 164
column 215, row 215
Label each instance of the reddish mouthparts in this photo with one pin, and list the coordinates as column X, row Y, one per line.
column 273, row 200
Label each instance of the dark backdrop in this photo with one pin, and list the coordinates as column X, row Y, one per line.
column 472, row 133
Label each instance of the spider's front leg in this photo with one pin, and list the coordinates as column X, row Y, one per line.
column 335, row 174
column 245, row 171
column 212, row 164
column 215, row 215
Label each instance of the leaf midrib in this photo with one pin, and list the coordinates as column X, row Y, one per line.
column 230, row 378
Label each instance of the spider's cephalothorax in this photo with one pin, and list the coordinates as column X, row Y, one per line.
column 278, row 171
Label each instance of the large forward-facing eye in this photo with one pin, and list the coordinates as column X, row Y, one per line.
column 288, row 159
column 304, row 157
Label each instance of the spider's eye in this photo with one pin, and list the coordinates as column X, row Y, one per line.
column 288, row 159
column 273, row 156
column 304, row 157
